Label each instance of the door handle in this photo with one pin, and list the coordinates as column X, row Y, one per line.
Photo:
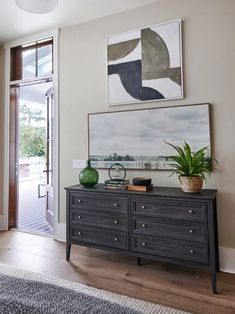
column 39, row 190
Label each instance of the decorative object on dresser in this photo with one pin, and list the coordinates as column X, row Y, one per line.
column 165, row 224
column 142, row 181
column 145, row 64
column 140, row 188
column 191, row 167
column 135, row 138
column 141, row 184
column 89, row 176
column 117, row 175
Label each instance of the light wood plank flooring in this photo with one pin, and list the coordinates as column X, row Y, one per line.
column 179, row 287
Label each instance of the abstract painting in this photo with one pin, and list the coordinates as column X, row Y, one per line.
column 145, row 65
column 136, row 138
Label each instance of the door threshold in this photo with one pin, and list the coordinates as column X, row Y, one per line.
column 34, row 232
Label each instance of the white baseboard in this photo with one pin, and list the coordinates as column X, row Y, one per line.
column 60, row 232
column 2, row 223
column 227, row 259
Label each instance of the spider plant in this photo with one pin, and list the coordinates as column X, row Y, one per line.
column 190, row 164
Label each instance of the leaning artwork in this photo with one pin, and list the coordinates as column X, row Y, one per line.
column 145, row 65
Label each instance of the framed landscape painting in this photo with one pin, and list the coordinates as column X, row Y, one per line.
column 136, row 138
column 145, row 65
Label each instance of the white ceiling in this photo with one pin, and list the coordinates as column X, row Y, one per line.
column 15, row 23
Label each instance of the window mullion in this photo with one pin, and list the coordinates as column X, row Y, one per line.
column 36, row 67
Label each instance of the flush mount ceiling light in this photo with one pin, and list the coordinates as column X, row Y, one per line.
column 37, row 6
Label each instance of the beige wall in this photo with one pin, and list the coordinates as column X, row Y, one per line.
column 209, row 67
column 1, row 125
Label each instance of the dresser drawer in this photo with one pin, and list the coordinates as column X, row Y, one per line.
column 192, row 231
column 175, row 209
column 115, row 204
column 100, row 237
column 91, row 219
column 189, row 251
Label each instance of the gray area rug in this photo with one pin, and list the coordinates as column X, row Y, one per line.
column 19, row 295
column 23, row 292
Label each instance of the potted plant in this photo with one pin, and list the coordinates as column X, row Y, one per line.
column 190, row 167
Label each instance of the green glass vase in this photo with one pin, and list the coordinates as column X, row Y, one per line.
column 88, row 176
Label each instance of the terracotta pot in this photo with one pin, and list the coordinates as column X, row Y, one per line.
column 191, row 184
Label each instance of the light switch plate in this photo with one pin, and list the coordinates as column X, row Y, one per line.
column 79, row 164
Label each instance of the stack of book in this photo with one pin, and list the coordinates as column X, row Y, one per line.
column 140, row 188
column 116, row 184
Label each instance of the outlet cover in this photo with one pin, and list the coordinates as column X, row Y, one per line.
column 79, row 164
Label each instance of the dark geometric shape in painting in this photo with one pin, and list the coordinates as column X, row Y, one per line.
column 121, row 50
column 156, row 58
column 131, row 78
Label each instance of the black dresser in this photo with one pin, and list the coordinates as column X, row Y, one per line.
column 164, row 224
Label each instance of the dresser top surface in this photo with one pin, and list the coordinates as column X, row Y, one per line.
column 156, row 191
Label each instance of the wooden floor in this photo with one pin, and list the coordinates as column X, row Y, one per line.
column 184, row 288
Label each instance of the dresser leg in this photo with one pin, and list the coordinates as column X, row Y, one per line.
column 213, row 279
column 138, row 261
column 68, row 249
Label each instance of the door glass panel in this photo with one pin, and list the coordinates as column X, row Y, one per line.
column 29, row 63
column 45, row 60
column 33, row 169
column 50, row 137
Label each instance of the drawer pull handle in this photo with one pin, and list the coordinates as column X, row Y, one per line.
column 143, row 243
column 79, row 201
column 143, row 207
column 190, row 211
column 192, row 251
column 191, row 231
column 144, row 225
column 116, row 239
column 116, row 221
column 79, row 217
column 79, row 233
column 115, row 204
